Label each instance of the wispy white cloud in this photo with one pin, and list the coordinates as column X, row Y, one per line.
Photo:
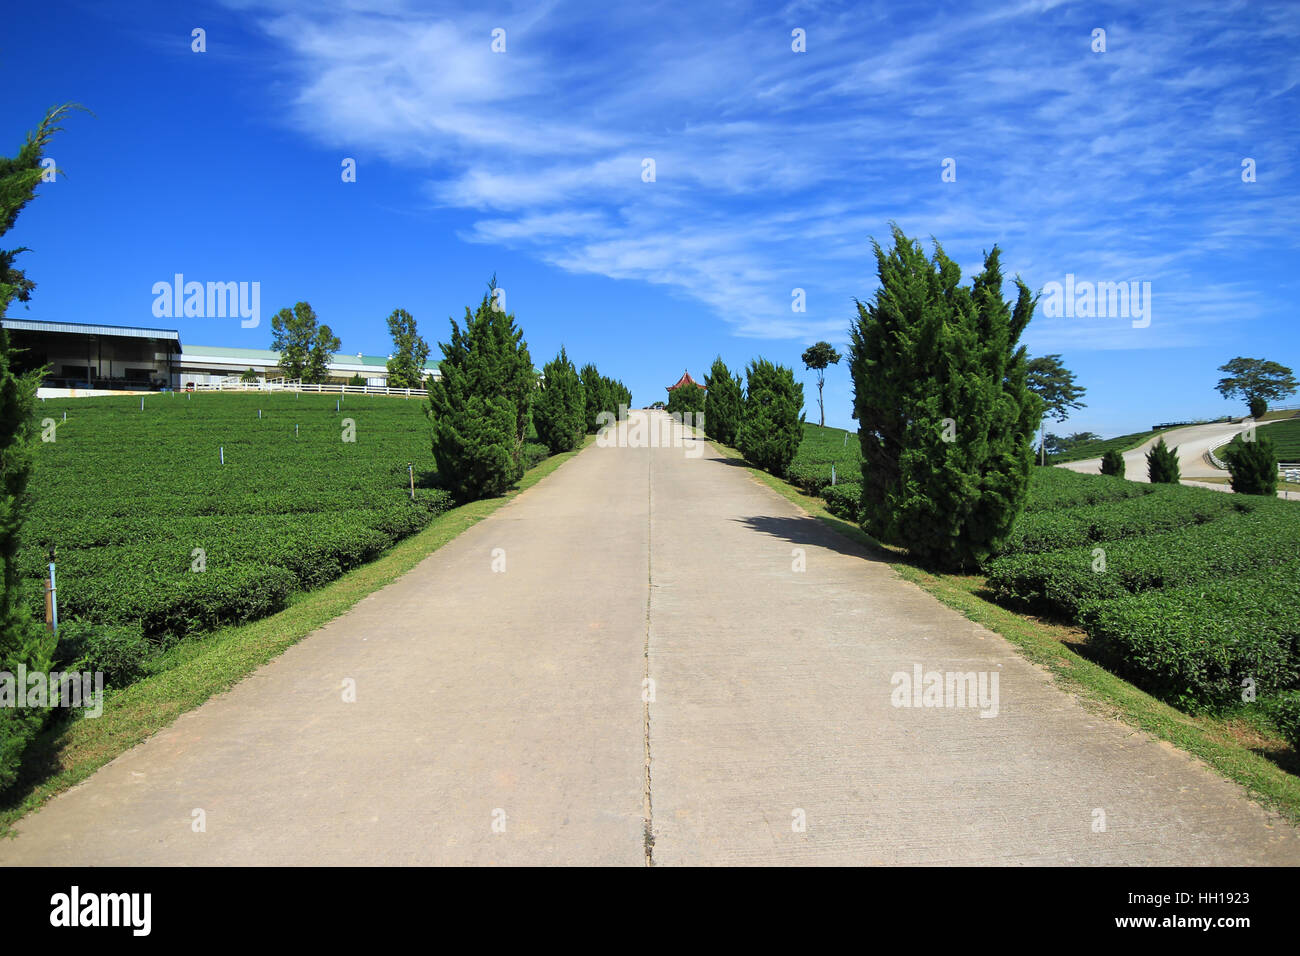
column 774, row 168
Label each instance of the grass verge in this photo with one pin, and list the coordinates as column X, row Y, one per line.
column 1233, row 745
column 195, row 670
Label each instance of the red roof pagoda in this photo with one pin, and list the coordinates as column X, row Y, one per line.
column 685, row 380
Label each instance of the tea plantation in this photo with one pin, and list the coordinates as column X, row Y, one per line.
column 154, row 532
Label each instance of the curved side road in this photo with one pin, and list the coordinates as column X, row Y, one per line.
column 670, row 649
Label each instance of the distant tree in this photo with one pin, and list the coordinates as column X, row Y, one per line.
column 723, row 403
column 560, row 408
column 1162, row 464
column 23, row 642
column 249, row 377
column 1054, row 384
column 481, row 405
column 597, row 394
column 946, row 416
column 410, row 352
column 293, row 333
column 818, row 357
column 1112, row 463
column 1257, row 381
column 1253, row 466
column 771, row 425
column 357, row 380
column 323, row 346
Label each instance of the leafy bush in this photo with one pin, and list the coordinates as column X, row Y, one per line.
column 1112, row 463
column 1253, row 466
column 844, row 500
column 771, row 426
column 1062, row 582
column 1054, row 488
column 119, row 652
column 1258, row 406
column 1195, row 645
column 1162, row 464
column 688, row 399
column 534, row 454
column 1284, row 708
column 1169, row 508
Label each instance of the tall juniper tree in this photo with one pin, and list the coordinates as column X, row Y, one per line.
column 723, row 403
column 481, row 404
column 23, row 643
column 945, row 414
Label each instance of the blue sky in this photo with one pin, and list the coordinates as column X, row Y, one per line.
column 774, row 169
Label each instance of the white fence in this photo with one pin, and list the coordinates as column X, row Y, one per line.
column 281, row 385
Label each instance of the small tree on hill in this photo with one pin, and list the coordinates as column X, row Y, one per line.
column 771, row 425
column 1112, row 463
column 1162, row 465
column 323, row 347
column 818, row 357
column 946, row 416
column 1253, row 466
column 481, row 406
column 560, row 407
column 1257, row 381
column 249, row 377
column 723, row 403
column 410, row 352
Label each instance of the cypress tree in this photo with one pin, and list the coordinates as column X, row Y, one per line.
column 722, row 403
column 946, row 420
column 23, row 642
column 560, row 408
column 1112, row 463
column 771, row 424
column 481, row 405
column 1253, row 466
column 1162, row 464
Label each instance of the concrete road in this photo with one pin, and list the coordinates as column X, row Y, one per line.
column 1192, row 442
column 672, row 649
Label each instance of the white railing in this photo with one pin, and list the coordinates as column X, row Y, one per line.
column 279, row 384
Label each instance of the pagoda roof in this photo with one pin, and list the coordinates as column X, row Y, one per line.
column 685, row 380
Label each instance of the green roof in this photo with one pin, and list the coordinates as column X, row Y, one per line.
column 268, row 355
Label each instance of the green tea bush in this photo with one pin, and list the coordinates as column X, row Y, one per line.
column 844, row 500
column 1170, row 508
column 1061, row 582
column 1284, row 709
column 1195, row 645
column 119, row 652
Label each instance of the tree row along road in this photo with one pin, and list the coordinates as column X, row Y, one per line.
column 508, row 716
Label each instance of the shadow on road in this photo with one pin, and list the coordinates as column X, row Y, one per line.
column 809, row 531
